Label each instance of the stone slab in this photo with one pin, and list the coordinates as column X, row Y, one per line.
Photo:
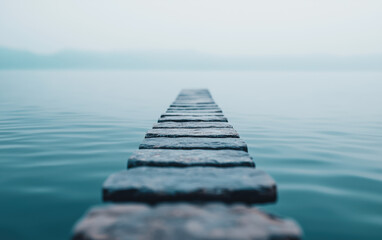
column 194, row 143
column 193, row 119
column 192, row 125
column 194, row 95
column 194, row 111
column 195, row 108
column 195, row 132
column 189, row 158
column 183, row 221
column 193, row 105
column 154, row 185
column 186, row 114
column 195, row 101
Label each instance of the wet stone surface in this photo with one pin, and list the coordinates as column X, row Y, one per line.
column 196, row 184
column 190, row 158
column 193, row 111
column 186, row 114
column 194, row 101
column 193, row 105
column 194, row 143
column 195, row 108
column 196, row 132
column 192, row 125
column 193, row 119
column 183, row 221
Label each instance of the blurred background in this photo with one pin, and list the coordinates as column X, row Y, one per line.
column 82, row 81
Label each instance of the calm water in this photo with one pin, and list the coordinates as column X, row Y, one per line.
column 318, row 134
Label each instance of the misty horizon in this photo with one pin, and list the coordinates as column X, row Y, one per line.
column 185, row 60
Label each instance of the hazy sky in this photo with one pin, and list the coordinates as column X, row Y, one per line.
column 343, row 27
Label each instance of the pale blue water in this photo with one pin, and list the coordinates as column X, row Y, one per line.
column 319, row 134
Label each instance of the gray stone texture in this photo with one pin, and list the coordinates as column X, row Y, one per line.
column 189, row 158
column 194, row 143
column 194, row 111
column 193, row 119
column 195, row 132
column 195, row 108
column 186, row 114
column 192, row 125
column 183, row 221
column 193, row 105
column 194, row 101
column 197, row 184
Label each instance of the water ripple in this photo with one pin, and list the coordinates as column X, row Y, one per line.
column 58, row 145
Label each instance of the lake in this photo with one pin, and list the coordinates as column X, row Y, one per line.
column 318, row 134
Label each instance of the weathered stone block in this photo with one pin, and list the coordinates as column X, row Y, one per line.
column 192, row 125
column 194, row 95
column 197, row 184
column 194, row 111
column 195, row 132
column 183, row 221
column 195, row 101
column 193, row 119
column 195, row 108
column 190, row 158
column 193, row 105
column 186, row 114
column 194, row 143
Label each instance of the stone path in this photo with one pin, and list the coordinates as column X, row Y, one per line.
column 191, row 178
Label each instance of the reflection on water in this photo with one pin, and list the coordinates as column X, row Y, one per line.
column 318, row 134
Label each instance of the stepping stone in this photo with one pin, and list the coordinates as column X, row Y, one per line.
column 196, row 184
column 186, row 114
column 194, row 143
column 192, row 125
column 193, row 108
column 193, row 111
column 193, row 96
column 195, row 102
column 183, row 221
column 193, row 105
column 200, row 101
column 196, row 132
column 201, row 107
column 193, row 119
column 190, row 158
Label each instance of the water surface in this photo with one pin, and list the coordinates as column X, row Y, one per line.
column 319, row 134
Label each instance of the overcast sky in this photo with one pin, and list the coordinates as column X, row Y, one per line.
column 344, row 27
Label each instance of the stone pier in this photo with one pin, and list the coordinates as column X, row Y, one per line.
column 191, row 178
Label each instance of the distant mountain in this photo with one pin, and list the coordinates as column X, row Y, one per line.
column 183, row 60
